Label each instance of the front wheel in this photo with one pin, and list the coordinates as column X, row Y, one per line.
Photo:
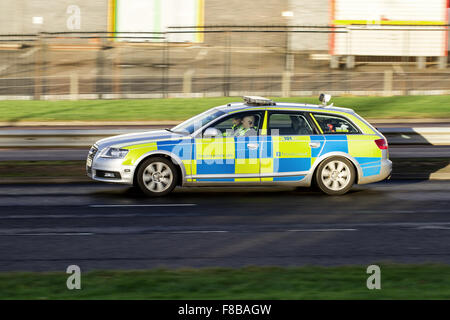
column 157, row 176
column 335, row 176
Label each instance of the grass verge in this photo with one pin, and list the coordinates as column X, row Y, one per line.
column 19, row 169
column 180, row 109
column 346, row 282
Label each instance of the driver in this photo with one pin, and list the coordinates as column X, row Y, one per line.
column 247, row 128
column 236, row 125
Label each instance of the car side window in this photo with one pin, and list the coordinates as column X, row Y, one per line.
column 285, row 124
column 335, row 125
column 240, row 124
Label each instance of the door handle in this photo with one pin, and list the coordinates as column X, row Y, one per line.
column 252, row 146
column 314, row 144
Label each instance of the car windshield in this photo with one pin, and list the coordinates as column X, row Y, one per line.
column 192, row 124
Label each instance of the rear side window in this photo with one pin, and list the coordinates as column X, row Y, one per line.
column 331, row 124
column 286, row 124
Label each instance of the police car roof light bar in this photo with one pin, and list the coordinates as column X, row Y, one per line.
column 258, row 101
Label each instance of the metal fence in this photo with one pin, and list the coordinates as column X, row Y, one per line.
column 231, row 61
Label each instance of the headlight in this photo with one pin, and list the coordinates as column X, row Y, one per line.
column 115, row 153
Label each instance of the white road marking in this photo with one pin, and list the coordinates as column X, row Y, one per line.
column 93, row 216
column 432, row 228
column 195, row 231
column 320, row 230
column 52, row 234
column 142, row 205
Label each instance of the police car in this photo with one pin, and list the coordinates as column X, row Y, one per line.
column 254, row 142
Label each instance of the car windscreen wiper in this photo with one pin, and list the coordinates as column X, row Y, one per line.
column 177, row 132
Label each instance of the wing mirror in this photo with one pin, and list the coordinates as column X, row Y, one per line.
column 211, row 133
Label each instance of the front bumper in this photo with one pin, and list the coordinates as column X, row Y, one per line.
column 101, row 165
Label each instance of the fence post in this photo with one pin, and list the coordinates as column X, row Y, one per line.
column 99, row 78
column 442, row 62
column 388, row 81
column 38, row 69
column 116, row 71
column 286, row 84
column 227, row 65
column 187, row 82
column 350, row 62
column 334, row 62
column 421, row 62
column 165, row 69
column 74, row 86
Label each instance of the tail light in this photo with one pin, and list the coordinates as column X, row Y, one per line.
column 382, row 144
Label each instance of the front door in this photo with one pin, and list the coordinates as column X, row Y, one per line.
column 232, row 155
column 287, row 149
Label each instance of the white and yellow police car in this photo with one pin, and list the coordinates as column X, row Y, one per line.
column 255, row 142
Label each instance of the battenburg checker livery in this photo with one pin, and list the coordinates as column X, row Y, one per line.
column 258, row 142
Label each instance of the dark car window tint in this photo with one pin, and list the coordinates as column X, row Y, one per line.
column 227, row 128
column 288, row 124
column 335, row 125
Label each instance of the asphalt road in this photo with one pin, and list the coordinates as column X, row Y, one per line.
column 100, row 226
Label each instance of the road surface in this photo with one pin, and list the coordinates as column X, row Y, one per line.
column 100, row 226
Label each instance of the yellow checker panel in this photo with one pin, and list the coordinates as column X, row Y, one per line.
column 136, row 151
column 291, row 146
column 363, row 146
column 191, row 168
column 187, row 166
column 266, row 167
column 215, row 148
column 243, row 166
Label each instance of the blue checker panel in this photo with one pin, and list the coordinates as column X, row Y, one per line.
column 316, row 151
column 291, row 164
column 205, row 167
column 335, row 143
column 295, row 178
column 368, row 160
column 370, row 166
column 181, row 148
column 371, row 171
column 241, row 149
column 266, row 146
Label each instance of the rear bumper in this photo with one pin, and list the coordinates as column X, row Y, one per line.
column 385, row 172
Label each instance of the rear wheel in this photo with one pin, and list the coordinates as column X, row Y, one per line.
column 335, row 176
column 157, row 176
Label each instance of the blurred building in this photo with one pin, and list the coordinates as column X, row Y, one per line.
column 30, row 16
column 152, row 48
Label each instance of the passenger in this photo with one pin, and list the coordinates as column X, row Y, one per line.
column 247, row 128
column 236, row 125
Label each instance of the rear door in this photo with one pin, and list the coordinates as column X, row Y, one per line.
column 341, row 135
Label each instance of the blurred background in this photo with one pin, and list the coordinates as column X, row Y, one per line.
column 109, row 49
column 78, row 60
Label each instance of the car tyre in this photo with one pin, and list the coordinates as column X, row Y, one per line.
column 157, row 176
column 335, row 176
